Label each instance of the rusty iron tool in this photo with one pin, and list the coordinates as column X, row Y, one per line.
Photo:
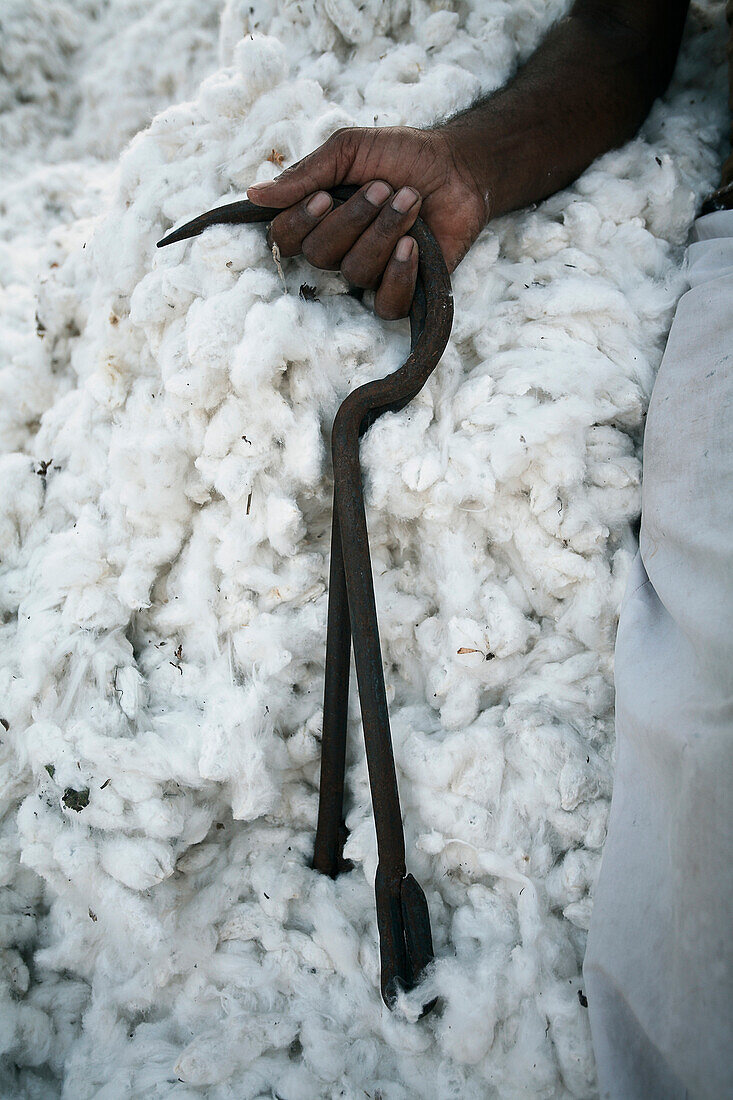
column 403, row 920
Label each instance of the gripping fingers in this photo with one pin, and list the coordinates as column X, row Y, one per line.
column 397, row 288
column 289, row 229
column 327, row 244
column 364, row 264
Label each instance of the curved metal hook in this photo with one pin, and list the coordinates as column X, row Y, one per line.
column 402, row 913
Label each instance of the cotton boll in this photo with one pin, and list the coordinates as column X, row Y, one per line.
column 298, row 1083
column 303, row 748
column 405, row 80
column 274, row 334
column 172, row 817
column 206, row 1061
column 468, row 640
column 571, row 881
column 21, row 496
column 137, row 864
column 422, row 471
column 31, row 1042
column 569, row 1026
column 233, row 477
column 509, row 631
column 303, row 456
column 526, row 1032
column 467, row 1031
column 359, row 24
column 261, row 644
column 323, row 1052
column 438, row 29
column 243, row 750
column 334, row 935
column 351, row 22
column 14, row 972
column 577, row 784
column 224, row 95
column 225, row 429
column 212, row 326
column 262, row 62
column 284, row 524
column 460, row 705
column 148, row 304
column 204, row 387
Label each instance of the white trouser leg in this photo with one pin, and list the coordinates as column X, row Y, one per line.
column 659, row 964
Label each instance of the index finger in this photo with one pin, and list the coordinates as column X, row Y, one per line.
column 322, row 169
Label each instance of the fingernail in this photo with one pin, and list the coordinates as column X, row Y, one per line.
column 404, row 248
column 319, row 204
column 255, row 194
column 378, row 192
column 405, row 198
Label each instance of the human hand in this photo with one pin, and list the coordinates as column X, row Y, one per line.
column 403, row 172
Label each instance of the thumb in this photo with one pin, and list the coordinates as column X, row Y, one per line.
column 324, row 168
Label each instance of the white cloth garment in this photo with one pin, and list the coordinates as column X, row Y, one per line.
column 659, row 964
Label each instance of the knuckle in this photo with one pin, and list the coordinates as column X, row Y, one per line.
column 310, row 251
column 314, row 254
column 388, row 229
column 388, row 311
column 280, row 224
column 401, row 279
column 394, row 298
column 281, row 234
column 350, row 271
column 356, row 273
column 391, row 225
column 289, row 248
column 340, row 137
column 358, row 210
column 399, row 220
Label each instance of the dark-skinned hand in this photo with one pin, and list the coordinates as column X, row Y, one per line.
column 402, row 172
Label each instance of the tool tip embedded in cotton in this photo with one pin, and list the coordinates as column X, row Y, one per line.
column 191, row 229
column 172, row 238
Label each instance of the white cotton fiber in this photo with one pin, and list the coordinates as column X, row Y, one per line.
column 165, row 510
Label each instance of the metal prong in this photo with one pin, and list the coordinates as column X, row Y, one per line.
column 234, row 213
column 405, row 942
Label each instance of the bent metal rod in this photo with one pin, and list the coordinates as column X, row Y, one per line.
column 403, row 921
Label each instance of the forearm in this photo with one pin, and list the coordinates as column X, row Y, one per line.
column 586, row 90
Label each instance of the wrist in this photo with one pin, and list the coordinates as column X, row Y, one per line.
column 585, row 90
column 487, row 152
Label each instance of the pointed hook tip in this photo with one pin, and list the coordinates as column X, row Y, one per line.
column 234, row 213
column 176, row 236
column 193, row 228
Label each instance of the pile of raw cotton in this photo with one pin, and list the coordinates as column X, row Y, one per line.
column 164, row 515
